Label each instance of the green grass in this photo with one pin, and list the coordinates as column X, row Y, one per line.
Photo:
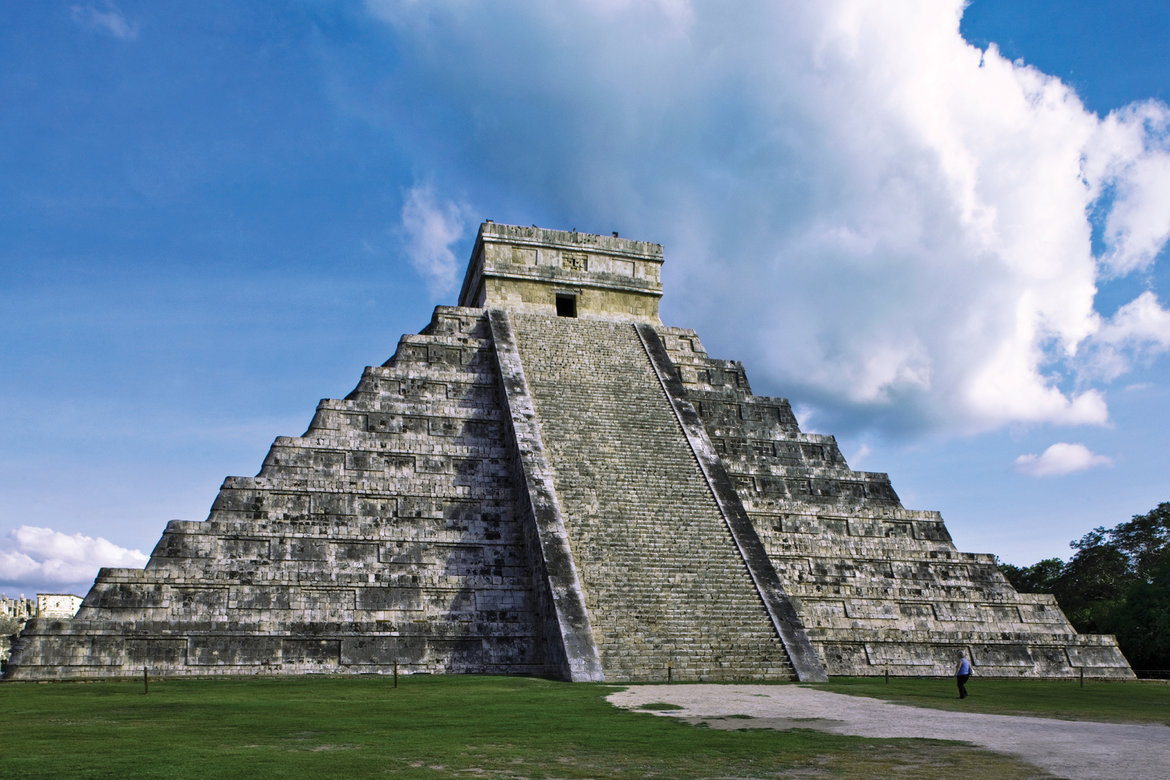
column 428, row 727
column 1133, row 701
column 660, row 706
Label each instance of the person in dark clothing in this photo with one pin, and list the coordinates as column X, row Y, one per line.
column 962, row 674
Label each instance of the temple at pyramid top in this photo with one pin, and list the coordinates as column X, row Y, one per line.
column 561, row 272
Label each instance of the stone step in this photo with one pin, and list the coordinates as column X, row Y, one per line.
column 646, row 534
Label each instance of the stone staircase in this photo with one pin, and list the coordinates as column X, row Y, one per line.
column 877, row 586
column 663, row 582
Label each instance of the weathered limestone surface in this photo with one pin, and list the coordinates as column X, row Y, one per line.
column 549, row 481
column 805, row 662
column 528, row 269
column 569, row 641
column 663, row 581
column 387, row 534
column 14, row 613
column 878, row 587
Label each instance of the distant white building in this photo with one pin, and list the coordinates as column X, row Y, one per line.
column 57, row 605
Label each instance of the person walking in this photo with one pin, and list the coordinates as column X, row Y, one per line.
column 962, row 674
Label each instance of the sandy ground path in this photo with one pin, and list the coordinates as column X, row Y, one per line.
column 1072, row 749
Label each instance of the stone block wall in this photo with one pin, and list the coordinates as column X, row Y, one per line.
column 386, row 534
column 528, row 268
column 877, row 586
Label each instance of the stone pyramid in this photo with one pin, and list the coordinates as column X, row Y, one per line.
column 546, row 480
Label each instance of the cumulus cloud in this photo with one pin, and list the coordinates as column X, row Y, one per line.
column 1139, row 328
column 882, row 220
column 1060, row 458
column 1130, row 153
column 432, row 226
column 44, row 558
column 106, row 18
column 858, row 456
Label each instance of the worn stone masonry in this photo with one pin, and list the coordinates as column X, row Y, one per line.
column 546, row 480
column 14, row 613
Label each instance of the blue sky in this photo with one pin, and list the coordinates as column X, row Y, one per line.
column 940, row 232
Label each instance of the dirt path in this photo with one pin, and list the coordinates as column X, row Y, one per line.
column 1072, row 749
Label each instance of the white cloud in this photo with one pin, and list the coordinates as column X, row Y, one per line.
column 1061, row 458
column 880, row 219
column 1129, row 152
column 1139, row 328
column 432, row 227
column 1141, row 320
column 42, row 557
column 856, row 459
column 107, row 19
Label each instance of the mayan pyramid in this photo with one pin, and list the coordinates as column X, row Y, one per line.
column 546, row 480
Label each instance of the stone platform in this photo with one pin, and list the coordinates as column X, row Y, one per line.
column 546, row 480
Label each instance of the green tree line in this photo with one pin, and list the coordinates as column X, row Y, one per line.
column 1117, row 582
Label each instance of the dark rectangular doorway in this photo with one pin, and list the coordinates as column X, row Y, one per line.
column 566, row 305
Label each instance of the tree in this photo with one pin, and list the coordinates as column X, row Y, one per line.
column 1145, row 540
column 1117, row 582
column 1141, row 622
column 1038, row 578
column 1091, row 584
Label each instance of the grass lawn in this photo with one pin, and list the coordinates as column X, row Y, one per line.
column 1131, row 701
column 428, row 727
